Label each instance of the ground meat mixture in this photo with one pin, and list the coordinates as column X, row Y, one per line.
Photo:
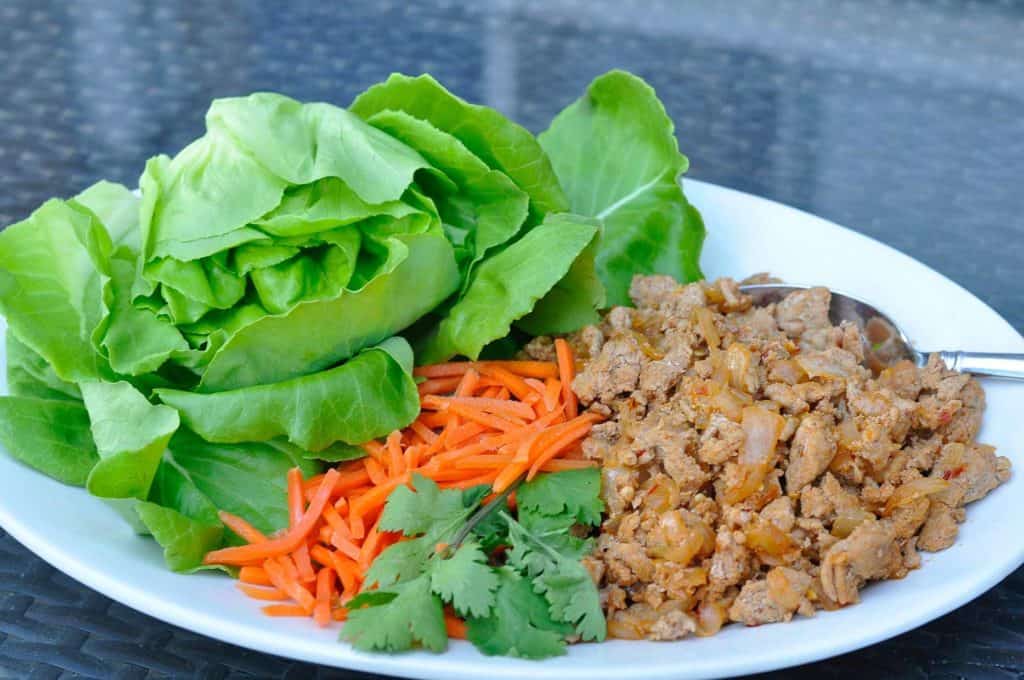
column 753, row 469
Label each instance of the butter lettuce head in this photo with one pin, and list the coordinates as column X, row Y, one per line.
column 260, row 302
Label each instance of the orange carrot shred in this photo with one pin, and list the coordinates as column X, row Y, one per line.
column 285, row 543
column 428, row 435
column 356, row 525
column 284, row 610
column 254, row 576
column 241, row 527
column 552, row 390
column 345, row 545
column 289, row 586
column 438, row 385
column 257, row 593
column 566, row 372
column 396, row 462
column 324, row 591
column 455, row 627
column 486, row 419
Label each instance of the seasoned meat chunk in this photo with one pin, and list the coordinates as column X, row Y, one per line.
column 870, row 552
column 804, row 311
column 614, row 371
column 973, row 470
column 773, row 599
column 940, row 528
column 814, row 446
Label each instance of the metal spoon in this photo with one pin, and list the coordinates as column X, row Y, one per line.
column 885, row 342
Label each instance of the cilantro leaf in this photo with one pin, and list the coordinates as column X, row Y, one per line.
column 465, row 580
column 574, row 494
column 492, row 532
column 561, row 578
column 415, row 614
column 401, row 561
column 520, row 624
column 424, row 509
column 371, row 599
column 573, row 598
column 475, row 495
column 556, row 531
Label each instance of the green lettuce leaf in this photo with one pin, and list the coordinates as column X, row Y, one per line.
column 615, row 152
column 130, row 434
column 50, row 435
column 248, row 480
column 366, row 397
column 29, row 375
column 420, row 271
column 185, row 540
column 507, row 285
column 50, row 286
column 502, row 144
column 574, row 300
column 134, row 340
column 483, row 209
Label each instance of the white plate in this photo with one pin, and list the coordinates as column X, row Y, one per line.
column 88, row 541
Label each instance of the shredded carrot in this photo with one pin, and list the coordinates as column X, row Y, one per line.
column 376, row 472
column 526, row 369
column 287, row 585
column 455, row 627
column 295, row 508
column 374, row 449
column 241, row 527
column 285, row 543
column 324, row 591
column 439, row 385
column 485, row 419
column 480, row 423
column 284, row 610
column 257, row 593
column 428, row 435
column 552, row 388
column 566, row 372
column 396, row 462
column 483, row 461
column 254, row 576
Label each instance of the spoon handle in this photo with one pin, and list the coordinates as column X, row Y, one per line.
column 985, row 363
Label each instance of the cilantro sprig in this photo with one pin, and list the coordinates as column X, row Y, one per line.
column 518, row 582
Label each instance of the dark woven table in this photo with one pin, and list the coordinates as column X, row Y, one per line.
column 901, row 119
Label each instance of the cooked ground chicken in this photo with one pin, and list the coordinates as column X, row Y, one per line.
column 753, row 469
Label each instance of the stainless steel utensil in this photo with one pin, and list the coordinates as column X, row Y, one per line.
column 885, row 342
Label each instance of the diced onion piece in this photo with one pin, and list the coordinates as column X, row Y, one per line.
column 762, row 429
column 912, row 490
column 711, row 616
column 820, row 364
column 788, row 371
column 765, row 537
column 848, row 520
column 781, row 589
column 706, row 323
column 737, row 363
column 680, row 538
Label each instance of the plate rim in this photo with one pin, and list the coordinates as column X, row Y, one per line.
column 174, row 613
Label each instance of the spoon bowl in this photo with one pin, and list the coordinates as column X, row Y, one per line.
column 884, row 342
